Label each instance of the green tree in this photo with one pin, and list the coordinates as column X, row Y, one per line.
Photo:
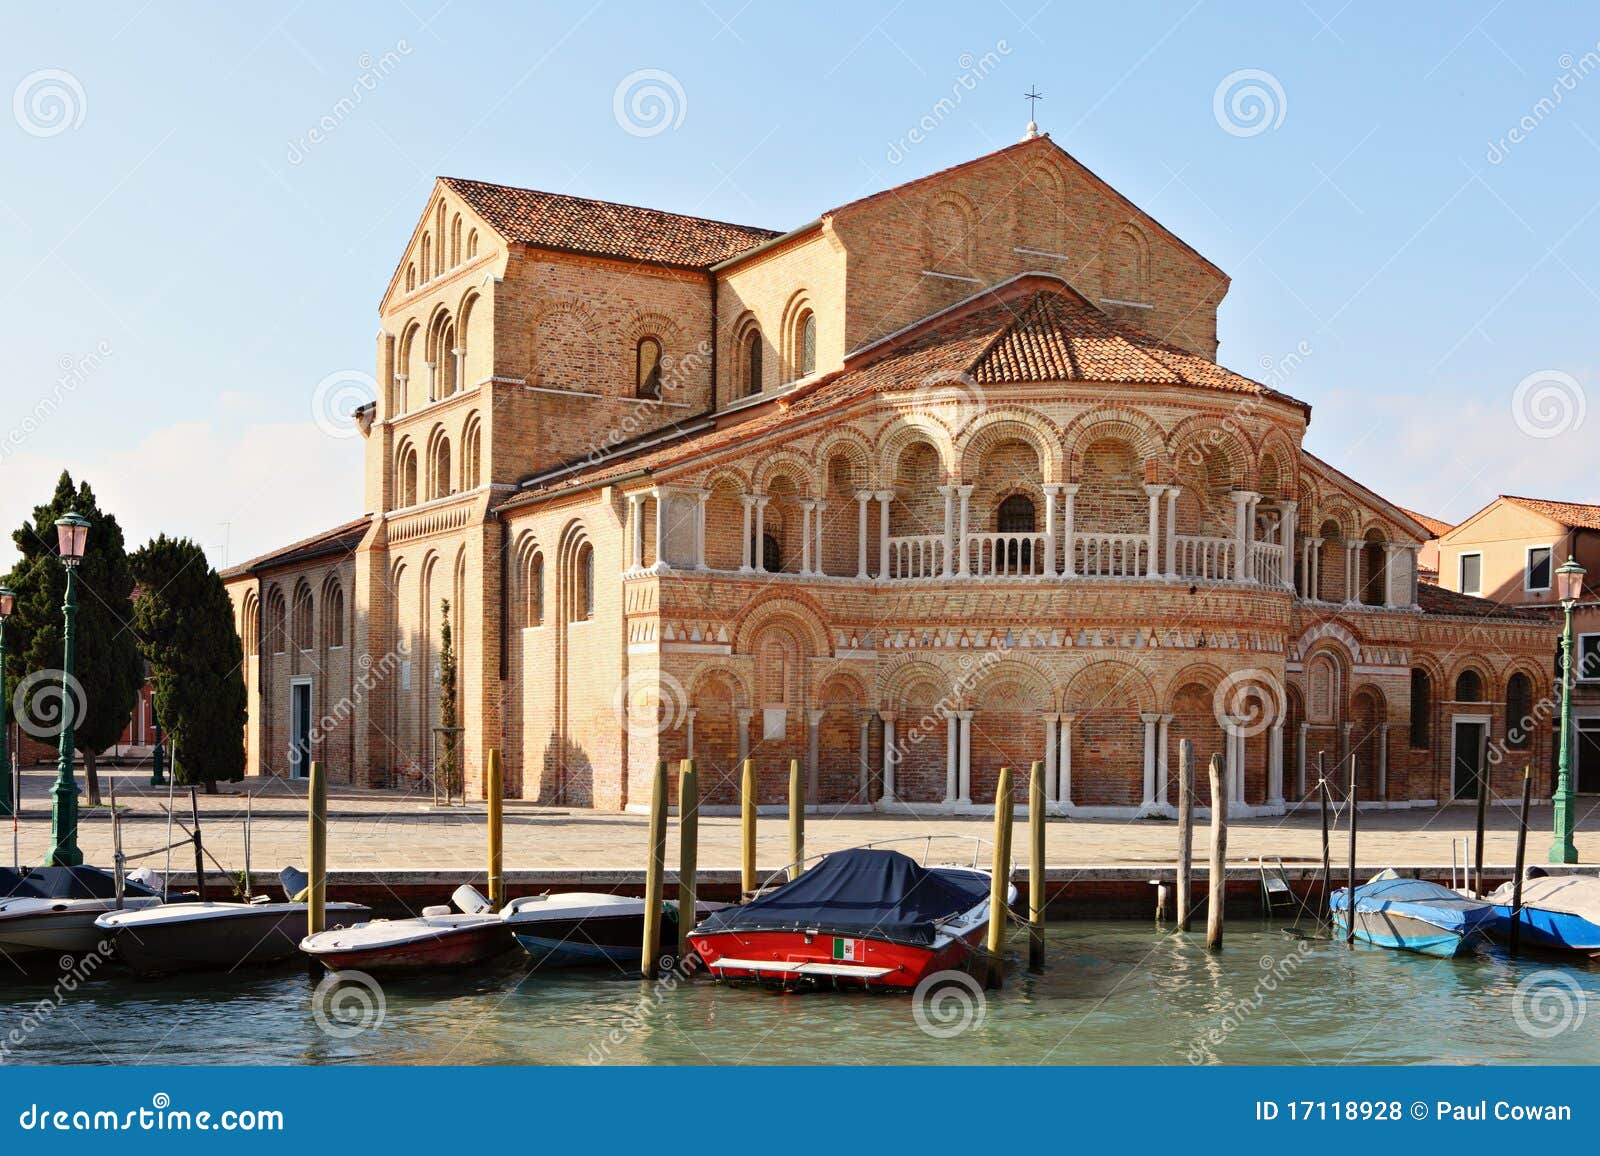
column 184, row 619
column 447, row 696
column 107, row 664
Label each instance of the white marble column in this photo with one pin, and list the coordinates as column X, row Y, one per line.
column 660, row 496
column 1275, row 765
column 1069, row 494
column 817, row 564
column 1050, row 491
column 1383, row 760
column 758, row 543
column 1390, row 552
column 965, row 494
column 1241, row 533
column 949, row 561
column 1064, row 762
column 952, row 755
column 1352, row 573
column 1052, row 745
column 400, row 394
column 964, row 766
column 1347, row 757
column 1172, row 531
column 744, row 716
column 1232, row 742
column 460, row 357
column 701, row 497
column 1150, row 721
column 862, row 498
column 813, row 754
column 1289, row 512
column 890, row 757
column 864, row 767
column 433, row 381
column 1314, row 592
column 807, row 506
column 884, row 498
column 1163, row 743
column 1152, row 561
column 748, row 501
column 688, row 723
column 635, row 532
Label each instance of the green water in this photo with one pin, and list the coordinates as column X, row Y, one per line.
column 1114, row 993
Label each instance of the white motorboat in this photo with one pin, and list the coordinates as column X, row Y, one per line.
column 440, row 937
column 53, row 909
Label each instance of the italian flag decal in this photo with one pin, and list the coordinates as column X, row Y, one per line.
column 855, row 949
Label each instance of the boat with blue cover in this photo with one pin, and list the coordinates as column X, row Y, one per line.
column 1413, row 915
column 1559, row 912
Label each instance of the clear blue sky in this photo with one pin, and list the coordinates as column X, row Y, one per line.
column 200, row 267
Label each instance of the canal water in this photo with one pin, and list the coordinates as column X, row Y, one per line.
column 1113, row 993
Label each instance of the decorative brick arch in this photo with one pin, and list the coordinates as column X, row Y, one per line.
column 905, row 670
column 1123, row 422
column 785, row 463
column 908, row 429
column 1200, row 434
column 1277, row 446
column 1090, row 681
column 1126, row 285
column 737, row 674
column 1205, row 674
column 1009, row 425
column 650, row 323
column 844, row 442
column 804, row 613
column 1333, row 630
column 727, row 476
column 556, row 309
column 1016, row 670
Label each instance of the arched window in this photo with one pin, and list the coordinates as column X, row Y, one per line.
column 583, row 584
column 1015, row 516
column 427, row 257
column 1421, row 710
column 1519, row 712
column 533, row 589
column 411, row 276
column 808, row 344
column 1469, row 687
column 439, row 467
column 771, row 554
column 647, row 369
column 250, row 630
column 405, row 479
column 273, row 624
column 752, row 362
column 446, row 354
column 455, row 240
column 472, row 244
column 333, row 615
column 472, row 454
column 300, row 623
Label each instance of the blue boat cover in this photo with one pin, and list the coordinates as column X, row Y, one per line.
column 76, row 883
column 11, row 884
column 870, row 893
column 1446, row 909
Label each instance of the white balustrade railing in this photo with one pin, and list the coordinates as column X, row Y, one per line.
column 1005, row 555
column 1203, row 556
column 1099, row 555
column 917, row 556
column 1266, row 563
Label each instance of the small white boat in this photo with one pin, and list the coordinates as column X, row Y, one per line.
column 440, row 937
column 53, row 909
column 187, row 936
column 586, row 928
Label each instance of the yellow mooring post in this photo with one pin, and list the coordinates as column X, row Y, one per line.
column 1000, row 881
column 1219, row 855
column 747, row 828
column 493, row 789
column 655, row 872
column 1036, row 818
column 797, row 818
column 317, row 855
column 688, row 852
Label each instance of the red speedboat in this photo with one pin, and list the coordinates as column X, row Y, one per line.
column 866, row 918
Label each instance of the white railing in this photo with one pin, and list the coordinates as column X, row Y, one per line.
column 917, row 556
column 1203, row 556
column 1266, row 563
column 1097, row 555
column 1005, row 555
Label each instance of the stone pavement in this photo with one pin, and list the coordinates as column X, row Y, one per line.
column 390, row 829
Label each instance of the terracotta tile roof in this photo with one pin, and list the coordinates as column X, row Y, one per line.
column 1438, row 527
column 1438, row 600
column 1579, row 515
column 557, row 221
column 1044, row 335
column 339, row 540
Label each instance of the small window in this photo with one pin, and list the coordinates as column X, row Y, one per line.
column 808, row 345
column 771, row 554
column 333, row 616
column 752, row 363
column 1469, row 687
column 1519, row 712
column 1421, row 710
column 583, row 576
column 647, row 369
column 1538, row 570
column 1471, row 573
column 1585, row 657
column 1015, row 515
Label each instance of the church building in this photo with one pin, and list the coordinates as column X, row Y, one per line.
column 946, row 479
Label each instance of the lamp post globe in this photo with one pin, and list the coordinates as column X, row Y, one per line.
column 1569, row 589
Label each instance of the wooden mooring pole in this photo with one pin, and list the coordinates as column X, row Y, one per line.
column 655, row 872
column 1036, row 898
column 1000, row 879
column 1219, row 856
column 688, row 852
column 494, row 790
column 1185, row 880
column 797, row 819
column 317, row 856
column 199, row 847
column 1350, row 894
column 1522, row 857
column 1483, row 818
column 1327, row 858
column 747, row 828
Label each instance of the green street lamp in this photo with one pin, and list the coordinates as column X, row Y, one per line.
column 8, row 603
column 1569, row 588
column 72, row 534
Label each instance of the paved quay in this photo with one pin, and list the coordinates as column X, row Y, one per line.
column 381, row 831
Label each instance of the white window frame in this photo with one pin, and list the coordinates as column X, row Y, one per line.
column 1577, row 655
column 1461, row 577
column 1527, row 570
